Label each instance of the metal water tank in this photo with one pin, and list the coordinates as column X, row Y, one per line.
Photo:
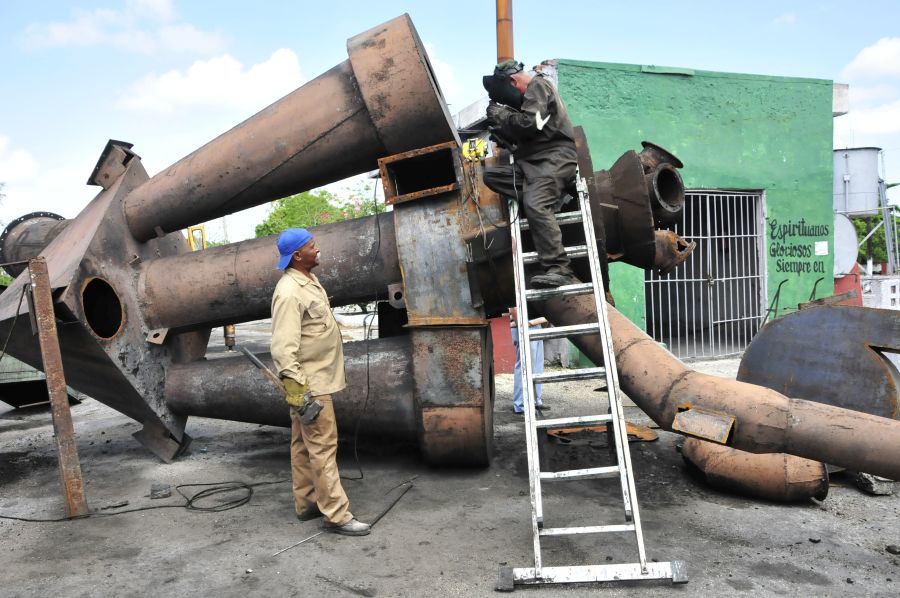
column 856, row 181
column 846, row 245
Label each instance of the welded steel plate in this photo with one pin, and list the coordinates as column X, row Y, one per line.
column 838, row 355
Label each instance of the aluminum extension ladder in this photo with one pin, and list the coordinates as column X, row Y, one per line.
column 540, row 574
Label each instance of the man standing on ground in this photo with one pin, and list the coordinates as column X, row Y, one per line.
column 309, row 358
column 537, row 362
column 536, row 122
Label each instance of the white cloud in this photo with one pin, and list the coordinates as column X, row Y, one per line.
column 218, row 82
column 60, row 190
column 15, row 164
column 446, row 77
column 144, row 26
column 159, row 9
column 878, row 60
column 861, row 95
column 883, row 119
column 785, row 19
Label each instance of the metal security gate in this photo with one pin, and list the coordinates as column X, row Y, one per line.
column 712, row 305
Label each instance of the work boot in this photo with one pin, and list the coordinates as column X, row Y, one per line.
column 351, row 528
column 309, row 514
column 552, row 279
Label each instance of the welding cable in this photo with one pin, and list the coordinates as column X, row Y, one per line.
column 191, row 502
column 366, row 332
column 407, row 486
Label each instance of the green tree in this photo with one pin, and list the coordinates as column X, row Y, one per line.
column 313, row 208
column 310, row 208
column 879, row 246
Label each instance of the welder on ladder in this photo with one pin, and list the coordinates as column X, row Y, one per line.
column 529, row 116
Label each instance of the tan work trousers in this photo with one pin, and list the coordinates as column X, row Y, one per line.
column 314, row 465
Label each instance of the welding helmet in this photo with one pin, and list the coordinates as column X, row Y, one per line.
column 499, row 85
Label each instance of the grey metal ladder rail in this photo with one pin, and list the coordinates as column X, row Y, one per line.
column 539, row 574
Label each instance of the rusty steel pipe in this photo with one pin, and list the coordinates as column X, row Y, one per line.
column 231, row 388
column 778, row 477
column 234, row 283
column 505, row 49
column 764, row 420
column 383, row 100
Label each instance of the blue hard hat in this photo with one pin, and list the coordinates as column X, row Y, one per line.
column 290, row 241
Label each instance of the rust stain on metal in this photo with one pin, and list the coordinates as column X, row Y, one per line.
column 635, row 432
column 779, row 477
column 415, row 320
column 715, row 427
column 456, row 435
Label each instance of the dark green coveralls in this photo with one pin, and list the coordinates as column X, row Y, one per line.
column 545, row 164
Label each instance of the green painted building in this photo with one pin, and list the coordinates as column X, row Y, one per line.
column 757, row 152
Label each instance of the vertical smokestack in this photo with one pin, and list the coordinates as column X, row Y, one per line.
column 504, row 31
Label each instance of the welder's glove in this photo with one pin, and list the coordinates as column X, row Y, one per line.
column 498, row 113
column 295, row 392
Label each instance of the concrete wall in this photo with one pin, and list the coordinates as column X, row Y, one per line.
column 732, row 131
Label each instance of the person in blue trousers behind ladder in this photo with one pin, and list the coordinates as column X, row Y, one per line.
column 537, row 358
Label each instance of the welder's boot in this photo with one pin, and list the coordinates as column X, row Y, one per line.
column 555, row 277
column 351, row 528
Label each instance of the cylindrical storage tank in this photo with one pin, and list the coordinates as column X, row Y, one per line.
column 25, row 237
column 856, row 181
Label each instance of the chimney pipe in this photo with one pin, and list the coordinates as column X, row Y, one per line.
column 504, row 31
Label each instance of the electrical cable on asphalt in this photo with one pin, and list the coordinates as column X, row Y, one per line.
column 408, row 486
column 190, row 502
column 221, row 487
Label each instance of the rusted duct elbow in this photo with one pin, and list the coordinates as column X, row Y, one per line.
column 777, row 477
column 638, row 194
column 390, row 385
column 383, row 100
column 753, row 418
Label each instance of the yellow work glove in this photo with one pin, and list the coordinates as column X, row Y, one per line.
column 295, row 392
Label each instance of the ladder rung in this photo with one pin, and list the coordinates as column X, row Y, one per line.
column 574, row 422
column 592, row 473
column 561, row 218
column 562, row 331
column 582, row 374
column 593, row 529
column 568, row 289
column 574, row 251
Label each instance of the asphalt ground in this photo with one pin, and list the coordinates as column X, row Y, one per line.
column 446, row 536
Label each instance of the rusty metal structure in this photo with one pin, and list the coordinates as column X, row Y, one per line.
column 135, row 307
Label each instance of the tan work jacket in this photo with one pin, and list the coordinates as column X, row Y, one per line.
column 306, row 339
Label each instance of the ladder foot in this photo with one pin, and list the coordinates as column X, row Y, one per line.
column 505, row 581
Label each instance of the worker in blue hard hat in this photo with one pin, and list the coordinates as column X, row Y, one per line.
column 308, row 355
column 528, row 115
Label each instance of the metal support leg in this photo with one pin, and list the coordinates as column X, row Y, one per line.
column 69, row 466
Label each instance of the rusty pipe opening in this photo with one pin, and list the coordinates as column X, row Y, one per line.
column 653, row 155
column 102, row 308
column 667, row 190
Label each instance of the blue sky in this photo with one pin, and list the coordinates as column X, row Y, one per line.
column 170, row 75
